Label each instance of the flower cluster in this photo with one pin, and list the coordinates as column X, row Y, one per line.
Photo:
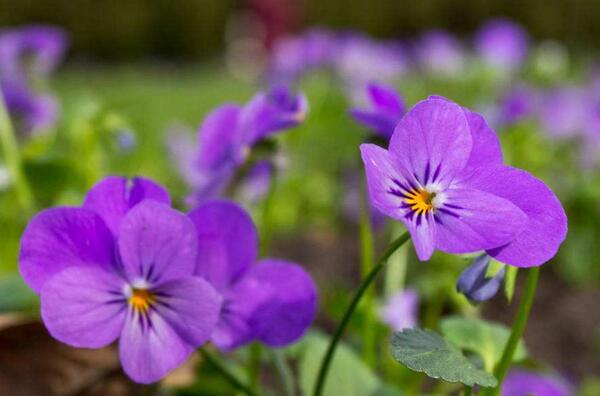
column 444, row 178
column 126, row 265
column 228, row 134
column 27, row 56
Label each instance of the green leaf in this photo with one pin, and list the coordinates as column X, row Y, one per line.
column 15, row 295
column 487, row 339
column 426, row 351
column 510, row 280
column 348, row 375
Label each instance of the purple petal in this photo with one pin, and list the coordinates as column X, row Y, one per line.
column 257, row 183
column 546, row 225
column 219, row 137
column 502, row 43
column 227, row 242
column 150, row 348
column 84, row 306
column 386, row 110
column 292, row 306
column 423, row 232
column 31, row 112
column 114, row 196
column 472, row 220
column 521, row 382
column 63, row 237
column 439, row 52
column 433, row 136
column 401, row 310
column 157, row 243
column 191, row 306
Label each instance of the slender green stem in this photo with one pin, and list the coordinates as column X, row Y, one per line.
column 13, row 160
column 326, row 362
column 518, row 328
column 228, row 375
column 366, row 265
column 266, row 219
column 254, row 364
column 285, row 372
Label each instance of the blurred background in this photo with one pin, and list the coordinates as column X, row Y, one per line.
column 138, row 72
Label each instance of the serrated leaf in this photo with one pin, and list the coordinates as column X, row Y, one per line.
column 427, row 352
column 487, row 339
column 510, row 280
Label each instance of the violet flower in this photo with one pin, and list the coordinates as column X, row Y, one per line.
column 521, row 382
column 257, row 183
column 518, row 103
column 400, row 311
column 439, row 52
column 31, row 51
column 121, row 266
column 474, row 284
column 502, row 44
column 443, row 177
column 269, row 300
column 31, row 112
column 385, row 109
column 564, row 112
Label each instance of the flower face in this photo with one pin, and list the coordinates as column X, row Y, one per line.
column 385, row 109
column 121, row 266
column 443, row 178
column 269, row 300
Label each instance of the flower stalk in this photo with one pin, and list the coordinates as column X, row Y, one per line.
column 229, row 376
column 326, row 362
column 13, row 160
column 518, row 328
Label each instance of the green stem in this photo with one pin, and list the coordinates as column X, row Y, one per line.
column 266, row 220
column 254, row 365
column 13, row 159
column 326, row 362
column 366, row 265
column 517, row 331
column 285, row 372
column 468, row 391
column 228, row 375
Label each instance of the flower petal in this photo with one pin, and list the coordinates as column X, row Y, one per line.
column 546, row 227
column 472, row 220
column 227, row 242
column 62, row 237
column 114, row 196
column 157, row 243
column 84, row 307
column 292, row 305
column 219, row 137
column 150, row 348
column 433, row 141
column 191, row 306
column 423, row 230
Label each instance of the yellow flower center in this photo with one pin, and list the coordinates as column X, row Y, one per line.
column 141, row 299
column 420, row 201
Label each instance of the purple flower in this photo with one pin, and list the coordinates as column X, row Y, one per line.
column 474, row 284
column 401, row 310
column 443, row 177
column 269, row 300
column 30, row 112
column 565, row 111
column 257, row 182
column 385, row 109
column 517, row 104
column 34, row 49
column 520, row 382
column 121, row 266
column 439, row 52
column 502, row 44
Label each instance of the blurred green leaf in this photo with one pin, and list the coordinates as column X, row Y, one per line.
column 487, row 339
column 426, row 351
column 15, row 295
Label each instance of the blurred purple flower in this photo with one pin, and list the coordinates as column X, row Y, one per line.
column 296, row 55
column 474, row 284
column 271, row 301
column 502, row 44
column 439, row 52
column 385, row 109
column 255, row 187
column 31, row 51
column 520, row 383
column 401, row 310
column 351, row 204
column 360, row 59
column 121, row 266
column 564, row 112
column 30, row 112
column 443, row 177
column 518, row 103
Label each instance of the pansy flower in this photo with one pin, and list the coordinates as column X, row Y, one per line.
column 401, row 310
column 523, row 382
column 475, row 285
column 269, row 300
column 384, row 110
column 502, row 44
column 443, row 177
column 30, row 112
column 439, row 52
column 121, row 267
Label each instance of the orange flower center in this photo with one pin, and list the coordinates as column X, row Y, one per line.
column 141, row 299
column 420, row 201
